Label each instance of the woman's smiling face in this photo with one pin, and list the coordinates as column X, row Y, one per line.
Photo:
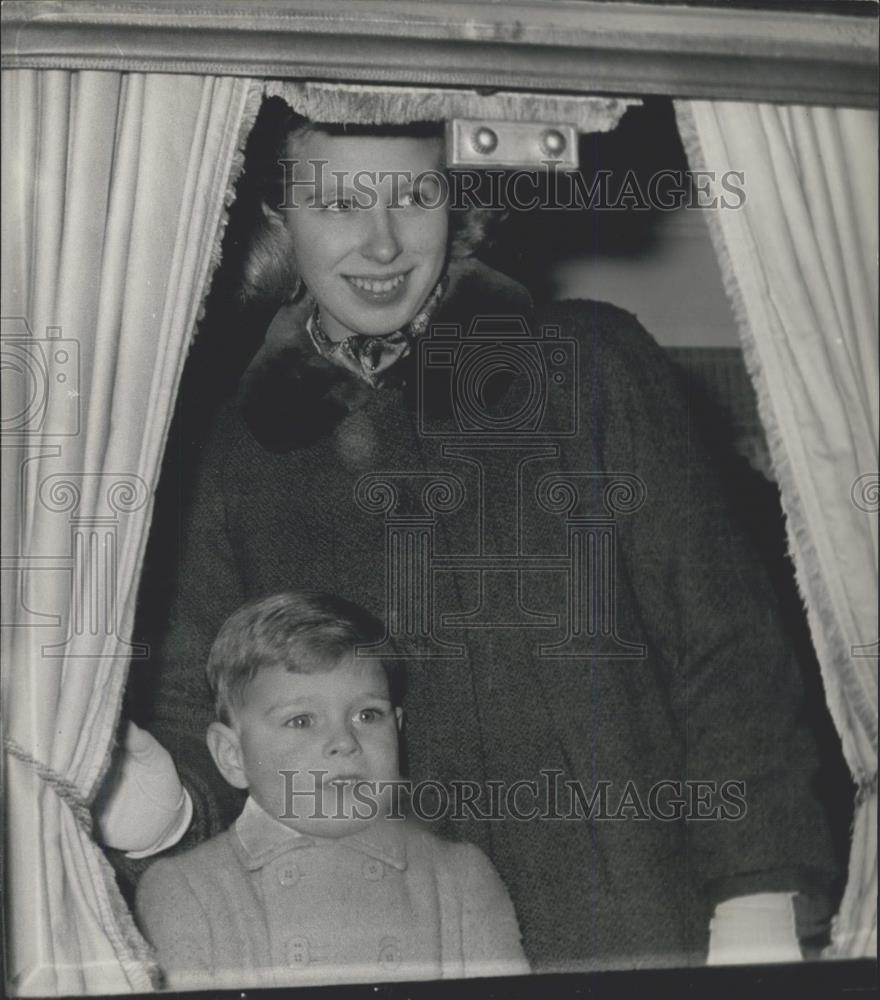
column 366, row 245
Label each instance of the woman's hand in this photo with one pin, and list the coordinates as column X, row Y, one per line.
column 142, row 808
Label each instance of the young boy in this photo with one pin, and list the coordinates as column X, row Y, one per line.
column 319, row 880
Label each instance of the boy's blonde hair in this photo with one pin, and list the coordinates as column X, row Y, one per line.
column 302, row 631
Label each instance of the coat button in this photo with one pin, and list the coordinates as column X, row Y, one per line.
column 298, row 951
column 373, row 870
column 288, row 875
column 389, row 953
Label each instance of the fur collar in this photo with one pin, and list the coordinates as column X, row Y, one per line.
column 291, row 396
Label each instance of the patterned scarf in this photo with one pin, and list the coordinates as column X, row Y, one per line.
column 374, row 359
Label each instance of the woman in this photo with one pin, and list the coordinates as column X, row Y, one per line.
column 692, row 683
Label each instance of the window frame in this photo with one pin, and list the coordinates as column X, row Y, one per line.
column 579, row 46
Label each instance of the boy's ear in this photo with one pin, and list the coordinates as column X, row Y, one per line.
column 398, row 714
column 225, row 748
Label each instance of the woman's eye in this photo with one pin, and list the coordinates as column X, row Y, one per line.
column 339, row 205
column 418, row 197
column 426, row 194
column 299, row 722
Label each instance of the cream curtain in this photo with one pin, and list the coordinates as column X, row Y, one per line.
column 113, row 201
column 799, row 259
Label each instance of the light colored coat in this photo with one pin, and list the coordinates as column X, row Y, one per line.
column 262, row 905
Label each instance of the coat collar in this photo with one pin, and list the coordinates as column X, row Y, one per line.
column 260, row 838
column 291, row 396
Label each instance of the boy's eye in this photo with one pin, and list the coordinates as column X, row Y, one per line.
column 299, row 722
column 338, row 205
column 370, row 715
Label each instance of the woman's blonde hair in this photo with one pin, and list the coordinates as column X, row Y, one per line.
column 268, row 270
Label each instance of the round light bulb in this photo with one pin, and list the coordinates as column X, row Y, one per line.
column 553, row 142
column 484, row 140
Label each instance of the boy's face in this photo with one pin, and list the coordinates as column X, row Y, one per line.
column 340, row 722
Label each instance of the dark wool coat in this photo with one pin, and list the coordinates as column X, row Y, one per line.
column 715, row 697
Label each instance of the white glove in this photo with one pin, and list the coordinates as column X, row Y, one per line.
column 142, row 808
column 754, row 929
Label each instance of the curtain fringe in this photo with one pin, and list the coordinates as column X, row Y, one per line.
column 252, row 101
column 808, row 575
column 132, row 952
column 136, row 957
column 852, row 924
column 370, row 104
column 854, row 927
